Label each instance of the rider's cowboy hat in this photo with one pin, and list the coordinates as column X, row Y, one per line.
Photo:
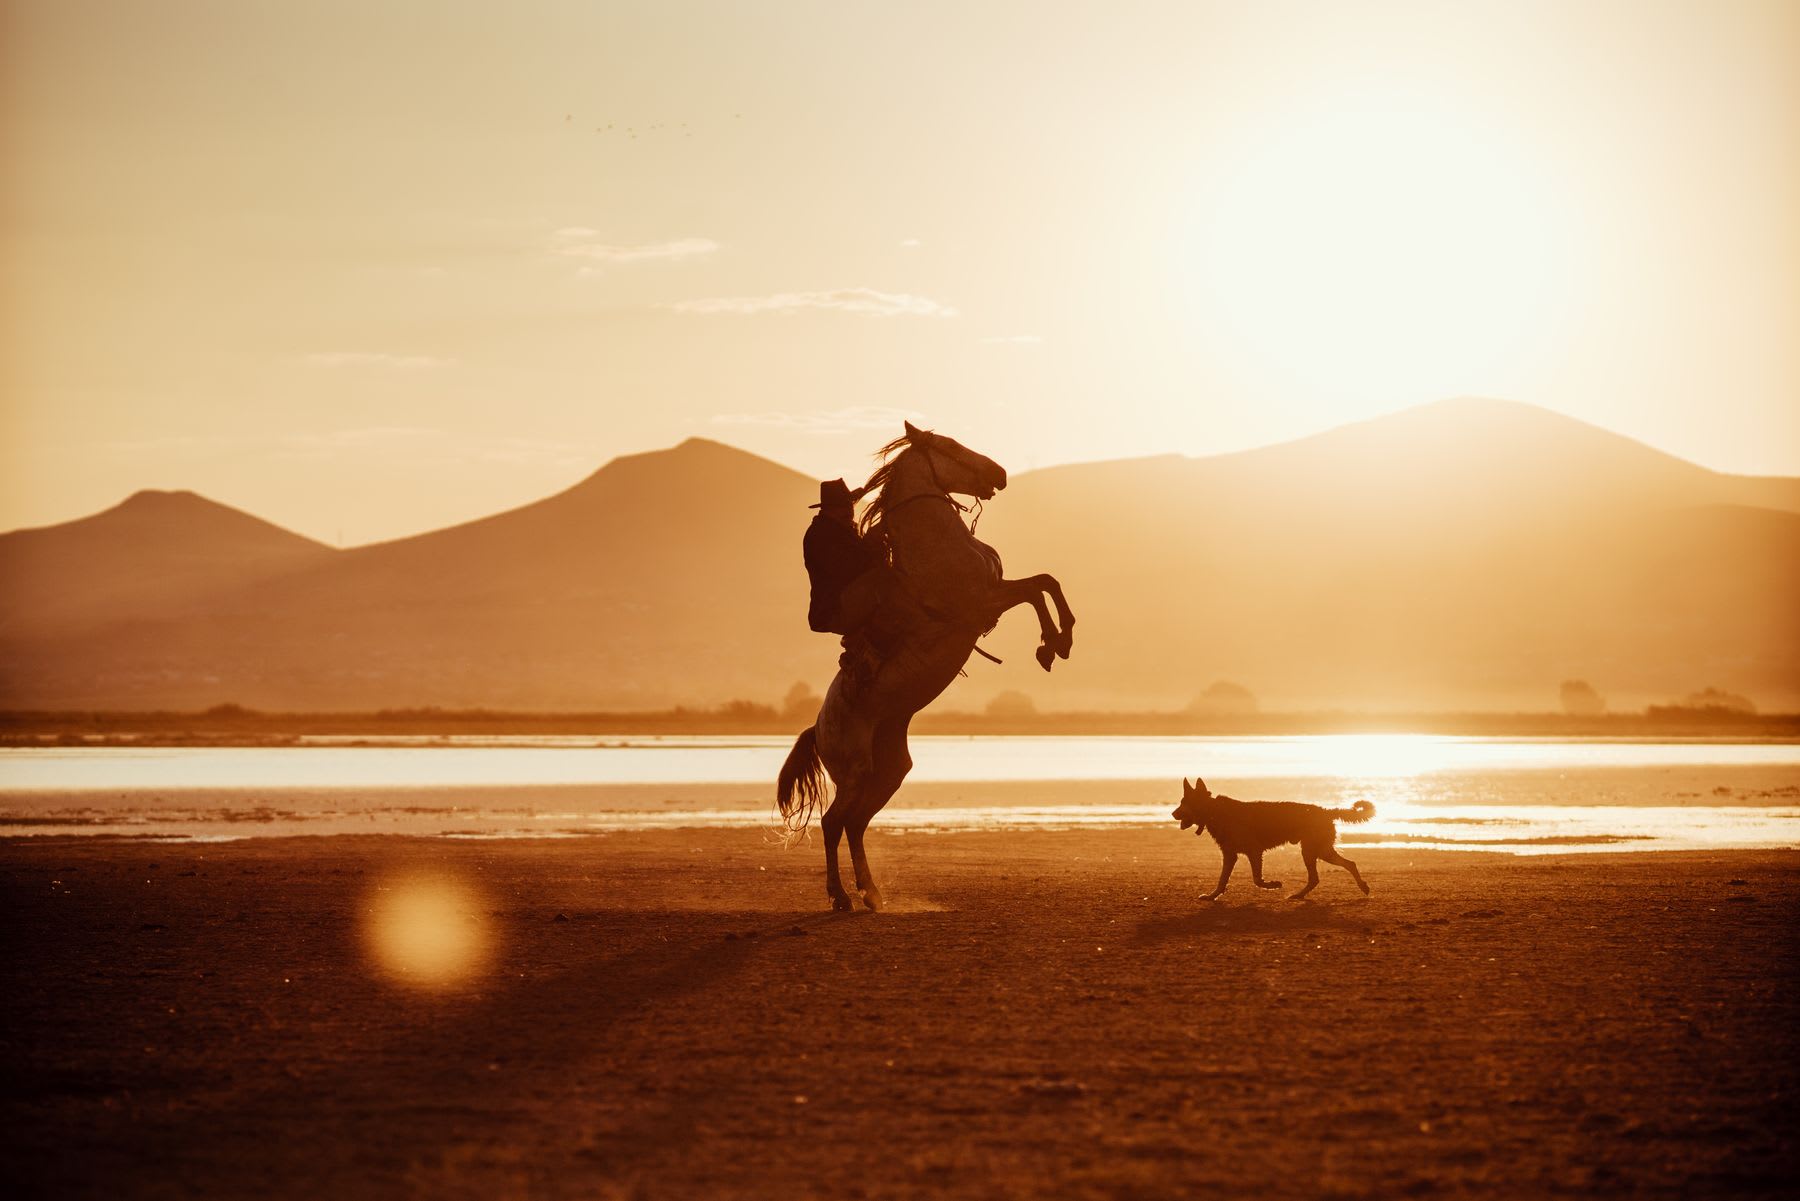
column 833, row 493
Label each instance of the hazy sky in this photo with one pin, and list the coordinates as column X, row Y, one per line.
column 369, row 268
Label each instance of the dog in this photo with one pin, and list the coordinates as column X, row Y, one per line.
column 1249, row 828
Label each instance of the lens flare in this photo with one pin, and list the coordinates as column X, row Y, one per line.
column 427, row 931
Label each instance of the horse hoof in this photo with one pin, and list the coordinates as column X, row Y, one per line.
column 841, row 903
column 1046, row 656
column 872, row 898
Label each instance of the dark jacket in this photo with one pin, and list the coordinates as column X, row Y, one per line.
column 835, row 555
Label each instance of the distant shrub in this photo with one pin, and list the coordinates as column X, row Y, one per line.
column 1223, row 698
column 1579, row 699
column 1717, row 699
column 228, row 710
column 1011, row 703
column 801, row 700
column 746, row 709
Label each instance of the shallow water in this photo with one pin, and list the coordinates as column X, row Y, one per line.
column 1521, row 796
column 506, row 761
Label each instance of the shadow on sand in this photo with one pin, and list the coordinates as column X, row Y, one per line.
column 471, row 1065
column 1214, row 918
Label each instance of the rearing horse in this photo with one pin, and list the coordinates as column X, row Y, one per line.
column 947, row 590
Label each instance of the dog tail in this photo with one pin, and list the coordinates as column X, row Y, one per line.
column 1362, row 811
column 801, row 784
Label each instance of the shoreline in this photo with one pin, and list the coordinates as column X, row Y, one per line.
column 231, row 725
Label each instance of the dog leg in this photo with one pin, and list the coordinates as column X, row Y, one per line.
column 1332, row 856
column 1312, row 874
column 1255, row 858
column 1224, row 875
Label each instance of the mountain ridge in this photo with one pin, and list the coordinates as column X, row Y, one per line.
column 1466, row 554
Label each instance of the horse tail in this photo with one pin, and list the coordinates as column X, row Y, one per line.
column 801, row 785
column 1362, row 811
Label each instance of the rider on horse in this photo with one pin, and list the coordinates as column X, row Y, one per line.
column 846, row 570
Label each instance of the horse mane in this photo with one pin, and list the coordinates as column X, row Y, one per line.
column 876, row 489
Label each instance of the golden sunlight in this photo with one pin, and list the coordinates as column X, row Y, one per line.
column 1383, row 242
column 426, row 931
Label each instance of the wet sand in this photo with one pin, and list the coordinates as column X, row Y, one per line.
column 673, row 1014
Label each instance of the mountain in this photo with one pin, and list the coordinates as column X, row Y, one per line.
column 1469, row 554
column 664, row 577
column 154, row 554
column 1466, row 554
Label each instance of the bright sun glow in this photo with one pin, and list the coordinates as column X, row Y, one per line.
column 1385, row 756
column 1382, row 243
column 427, row 931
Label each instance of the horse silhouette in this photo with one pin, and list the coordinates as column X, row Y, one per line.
column 945, row 589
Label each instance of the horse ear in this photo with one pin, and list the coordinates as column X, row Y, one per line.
column 912, row 431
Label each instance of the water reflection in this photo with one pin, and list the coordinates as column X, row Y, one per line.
column 1523, row 796
column 486, row 762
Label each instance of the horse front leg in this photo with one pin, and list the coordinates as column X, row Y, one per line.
column 1064, row 615
column 1056, row 639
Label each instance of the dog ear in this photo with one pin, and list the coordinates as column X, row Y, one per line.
column 1200, row 788
column 1187, row 790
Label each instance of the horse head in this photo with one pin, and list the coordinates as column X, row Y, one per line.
column 954, row 467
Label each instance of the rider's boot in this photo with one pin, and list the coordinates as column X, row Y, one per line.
column 860, row 660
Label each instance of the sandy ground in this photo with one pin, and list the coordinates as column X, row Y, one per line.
column 673, row 1014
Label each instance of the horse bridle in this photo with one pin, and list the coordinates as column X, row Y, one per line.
column 927, row 444
column 943, row 494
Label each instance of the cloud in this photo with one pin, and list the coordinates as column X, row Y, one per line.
column 910, row 243
column 363, row 358
column 1014, row 340
column 581, row 243
column 862, row 301
column 826, row 421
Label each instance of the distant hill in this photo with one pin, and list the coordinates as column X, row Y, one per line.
column 1469, row 555
column 153, row 555
column 662, row 578
column 1466, row 554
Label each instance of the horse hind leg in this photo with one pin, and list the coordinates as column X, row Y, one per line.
column 892, row 763
column 831, row 824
